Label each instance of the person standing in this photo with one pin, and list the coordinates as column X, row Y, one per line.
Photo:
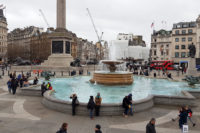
column 63, row 128
column 98, row 100
column 75, row 103
column 125, row 105
column 98, row 129
column 91, row 106
column 43, row 88
column 150, row 127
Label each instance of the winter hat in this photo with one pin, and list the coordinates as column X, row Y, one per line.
column 98, row 126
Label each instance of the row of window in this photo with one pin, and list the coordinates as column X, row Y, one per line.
column 181, row 54
column 162, row 53
column 184, row 39
column 190, row 31
column 161, row 46
column 182, row 47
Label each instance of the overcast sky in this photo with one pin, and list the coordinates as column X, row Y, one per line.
column 110, row 16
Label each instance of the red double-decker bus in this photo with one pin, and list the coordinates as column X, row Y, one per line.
column 160, row 65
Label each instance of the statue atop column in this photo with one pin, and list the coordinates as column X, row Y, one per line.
column 192, row 51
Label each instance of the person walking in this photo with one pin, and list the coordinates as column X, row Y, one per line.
column 75, row 103
column 14, row 85
column 189, row 111
column 98, row 129
column 150, row 127
column 182, row 117
column 63, row 128
column 98, row 100
column 91, row 106
column 125, row 105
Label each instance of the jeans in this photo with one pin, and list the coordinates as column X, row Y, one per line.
column 131, row 109
column 91, row 113
column 73, row 109
column 97, row 110
column 126, row 110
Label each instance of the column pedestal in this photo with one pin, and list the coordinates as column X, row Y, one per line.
column 191, row 70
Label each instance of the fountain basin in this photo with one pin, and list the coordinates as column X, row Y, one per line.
column 112, row 78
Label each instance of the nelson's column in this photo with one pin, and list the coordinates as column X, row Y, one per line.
column 60, row 40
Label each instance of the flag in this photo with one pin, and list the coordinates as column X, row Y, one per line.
column 152, row 25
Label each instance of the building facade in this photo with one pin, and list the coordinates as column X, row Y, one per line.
column 19, row 41
column 183, row 35
column 3, row 37
column 160, row 45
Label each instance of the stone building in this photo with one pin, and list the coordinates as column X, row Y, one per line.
column 134, row 40
column 160, row 45
column 183, row 35
column 19, row 42
column 3, row 37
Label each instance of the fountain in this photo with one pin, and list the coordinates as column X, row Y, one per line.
column 112, row 77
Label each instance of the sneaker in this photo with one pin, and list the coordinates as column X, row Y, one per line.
column 194, row 124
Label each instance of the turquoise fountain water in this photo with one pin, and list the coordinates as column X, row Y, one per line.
column 141, row 88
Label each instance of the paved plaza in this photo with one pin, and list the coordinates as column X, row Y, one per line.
column 24, row 114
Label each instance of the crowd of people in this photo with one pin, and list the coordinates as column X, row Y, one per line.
column 19, row 81
column 64, row 128
column 93, row 104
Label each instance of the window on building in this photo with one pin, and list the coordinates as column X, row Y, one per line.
column 183, row 39
column 176, row 54
column 183, row 54
column 167, row 52
column 167, row 45
column 177, row 39
column 155, row 40
column 154, row 52
column 177, row 47
column 177, row 32
column 162, row 53
column 190, row 39
column 182, row 46
column 190, row 31
column 154, row 46
column 183, row 31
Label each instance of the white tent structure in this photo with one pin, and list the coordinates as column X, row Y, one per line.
column 119, row 49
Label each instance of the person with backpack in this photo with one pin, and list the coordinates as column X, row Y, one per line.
column 182, row 117
column 125, row 105
column 98, row 100
column 75, row 103
column 63, row 128
column 189, row 111
column 91, row 106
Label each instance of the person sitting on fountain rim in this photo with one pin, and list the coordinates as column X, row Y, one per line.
column 130, row 99
column 125, row 105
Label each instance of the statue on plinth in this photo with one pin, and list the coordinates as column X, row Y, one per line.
column 192, row 49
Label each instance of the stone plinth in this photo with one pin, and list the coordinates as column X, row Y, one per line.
column 58, row 60
column 191, row 70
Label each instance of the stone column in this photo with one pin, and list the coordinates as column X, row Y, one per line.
column 61, row 14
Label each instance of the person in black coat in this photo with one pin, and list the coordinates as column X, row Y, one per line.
column 43, row 88
column 91, row 106
column 63, row 129
column 182, row 117
column 75, row 102
column 125, row 105
column 150, row 128
column 14, row 85
column 98, row 129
